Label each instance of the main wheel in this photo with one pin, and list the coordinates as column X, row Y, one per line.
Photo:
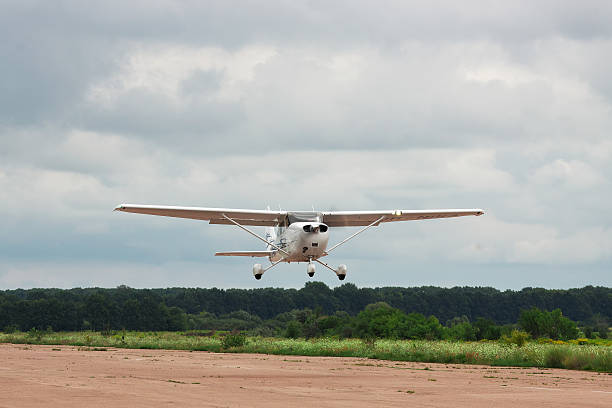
column 257, row 271
column 311, row 274
column 341, row 271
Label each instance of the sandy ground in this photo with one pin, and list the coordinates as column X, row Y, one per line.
column 61, row 376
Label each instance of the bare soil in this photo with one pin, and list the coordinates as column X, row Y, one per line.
column 62, row 376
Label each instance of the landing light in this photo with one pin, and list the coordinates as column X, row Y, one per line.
column 397, row 212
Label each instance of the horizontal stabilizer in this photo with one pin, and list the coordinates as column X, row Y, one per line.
column 245, row 253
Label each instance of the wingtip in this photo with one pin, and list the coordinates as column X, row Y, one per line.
column 479, row 212
column 120, row 207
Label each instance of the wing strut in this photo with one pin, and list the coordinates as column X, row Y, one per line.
column 325, row 265
column 354, row 235
column 255, row 235
column 273, row 265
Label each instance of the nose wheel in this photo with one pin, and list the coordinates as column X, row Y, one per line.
column 310, row 269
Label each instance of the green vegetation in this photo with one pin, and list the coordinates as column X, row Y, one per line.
column 548, row 324
column 496, row 353
column 233, row 340
column 517, row 337
column 469, row 325
column 247, row 309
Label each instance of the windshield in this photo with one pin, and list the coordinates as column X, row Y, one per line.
column 303, row 217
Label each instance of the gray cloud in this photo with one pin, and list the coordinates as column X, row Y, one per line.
column 348, row 105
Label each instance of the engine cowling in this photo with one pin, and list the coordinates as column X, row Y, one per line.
column 315, row 228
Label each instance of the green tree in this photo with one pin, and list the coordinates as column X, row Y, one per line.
column 461, row 331
column 294, row 329
column 379, row 320
column 541, row 323
column 486, row 329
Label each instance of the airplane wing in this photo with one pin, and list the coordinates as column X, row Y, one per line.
column 363, row 218
column 272, row 218
column 245, row 253
column 212, row 215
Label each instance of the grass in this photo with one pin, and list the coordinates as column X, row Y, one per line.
column 533, row 354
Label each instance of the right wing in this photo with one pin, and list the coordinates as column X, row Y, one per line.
column 213, row 215
column 363, row 218
column 245, row 253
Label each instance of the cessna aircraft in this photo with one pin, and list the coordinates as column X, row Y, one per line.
column 294, row 236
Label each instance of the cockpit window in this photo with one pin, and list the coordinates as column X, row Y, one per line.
column 303, row 217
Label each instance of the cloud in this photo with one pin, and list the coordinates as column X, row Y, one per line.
column 573, row 174
column 340, row 106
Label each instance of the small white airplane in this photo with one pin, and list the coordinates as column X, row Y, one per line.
column 294, row 236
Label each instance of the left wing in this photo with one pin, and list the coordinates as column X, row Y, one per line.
column 213, row 215
column 363, row 218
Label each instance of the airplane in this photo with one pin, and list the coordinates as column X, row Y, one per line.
column 294, row 236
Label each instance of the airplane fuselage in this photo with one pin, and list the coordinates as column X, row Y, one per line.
column 302, row 242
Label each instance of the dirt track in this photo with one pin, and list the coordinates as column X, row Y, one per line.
column 66, row 377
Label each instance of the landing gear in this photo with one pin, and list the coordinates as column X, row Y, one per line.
column 257, row 271
column 310, row 269
column 341, row 272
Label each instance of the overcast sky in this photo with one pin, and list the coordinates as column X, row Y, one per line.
column 352, row 105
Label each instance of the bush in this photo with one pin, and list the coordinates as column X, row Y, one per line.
column 555, row 357
column 36, row 334
column 517, row 337
column 233, row 340
column 11, row 328
column 602, row 332
column 294, row 330
column 603, row 363
column 588, row 332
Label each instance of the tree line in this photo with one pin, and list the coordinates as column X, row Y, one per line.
column 379, row 320
column 185, row 308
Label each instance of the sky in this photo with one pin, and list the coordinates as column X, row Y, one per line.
column 332, row 105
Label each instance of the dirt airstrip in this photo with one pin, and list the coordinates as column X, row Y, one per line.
column 62, row 376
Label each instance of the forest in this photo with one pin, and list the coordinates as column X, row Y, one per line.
column 315, row 307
